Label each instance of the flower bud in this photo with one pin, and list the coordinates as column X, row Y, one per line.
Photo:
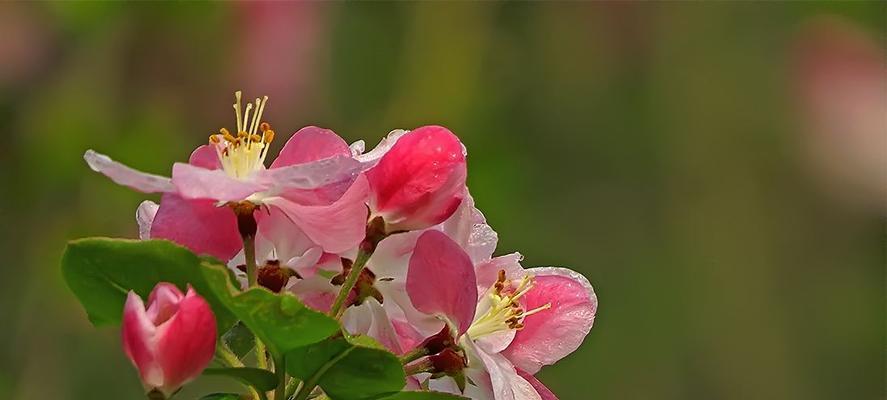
column 420, row 181
column 171, row 341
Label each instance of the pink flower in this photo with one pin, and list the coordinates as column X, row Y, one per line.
column 523, row 319
column 172, row 341
column 420, row 181
column 314, row 183
column 841, row 76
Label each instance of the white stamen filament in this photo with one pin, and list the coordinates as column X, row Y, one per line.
column 505, row 312
column 244, row 152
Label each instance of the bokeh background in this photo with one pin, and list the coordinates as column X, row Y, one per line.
column 716, row 169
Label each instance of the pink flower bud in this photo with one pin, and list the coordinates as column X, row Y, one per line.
column 172, row 341
column 420, row 181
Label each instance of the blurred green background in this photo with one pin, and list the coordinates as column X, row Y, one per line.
column 655, row 147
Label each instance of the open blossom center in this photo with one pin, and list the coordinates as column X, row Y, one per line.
column 505, row 311
column 244, row 153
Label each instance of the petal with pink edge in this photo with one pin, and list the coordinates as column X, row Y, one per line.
column 543, row 391
column 126, row 176
column 137, row 332
column 198, row 225
column 163, row 302
column 552, row 334
column 205, row 156
column 311, row 144
column 420, row 181
column 200, row 183
column 186, row 342
column 311, row 175
column 336, row 227
column 441, row 280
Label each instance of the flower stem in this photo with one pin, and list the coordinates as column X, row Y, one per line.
column 375, row 232
column 363, row 255
column 413, row 355
column 155, row 395
column 261, row 354
column 280, row 368
column 229, row 359
column 249, row 253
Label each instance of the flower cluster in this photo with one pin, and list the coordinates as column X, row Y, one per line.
column 388, row 241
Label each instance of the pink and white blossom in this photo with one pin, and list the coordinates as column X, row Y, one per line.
column 522, row 319
column 170, row 342
column 420, row 181
column 314, row 183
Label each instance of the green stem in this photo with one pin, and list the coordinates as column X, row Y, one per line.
column 280, row 368
column 155, row 395
column 362, row 257
column 227, row 357
column 249, row 252
column 414, row 355
column 261, row 354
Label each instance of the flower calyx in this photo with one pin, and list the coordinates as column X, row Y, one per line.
column 440, row 356
column 363, row 289
column 272, row 275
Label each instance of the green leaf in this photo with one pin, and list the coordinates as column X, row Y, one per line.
column 422, row 396
column 100, row 272
column 281, row 321
column 346, row 369
column 223, row 396
column 239, row 340
column 258, row 378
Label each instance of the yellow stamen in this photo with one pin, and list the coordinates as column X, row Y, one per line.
column 245, row 153
column 505, row 312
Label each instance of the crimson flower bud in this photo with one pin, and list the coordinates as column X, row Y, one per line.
column 420, row 181
column 170, row 342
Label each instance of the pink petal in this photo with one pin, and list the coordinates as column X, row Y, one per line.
column 552, row 334
column 441, row 279
column 543, row 391
column 126, row 176
column 205, row 156
column 193, row 182
column 407, row 335
column 137, row 333
column 187, row 342
column 163, row 302
column 420, row 181
column 145, row 218
column 311, row 144
column 198, row 225
column 336, row 227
